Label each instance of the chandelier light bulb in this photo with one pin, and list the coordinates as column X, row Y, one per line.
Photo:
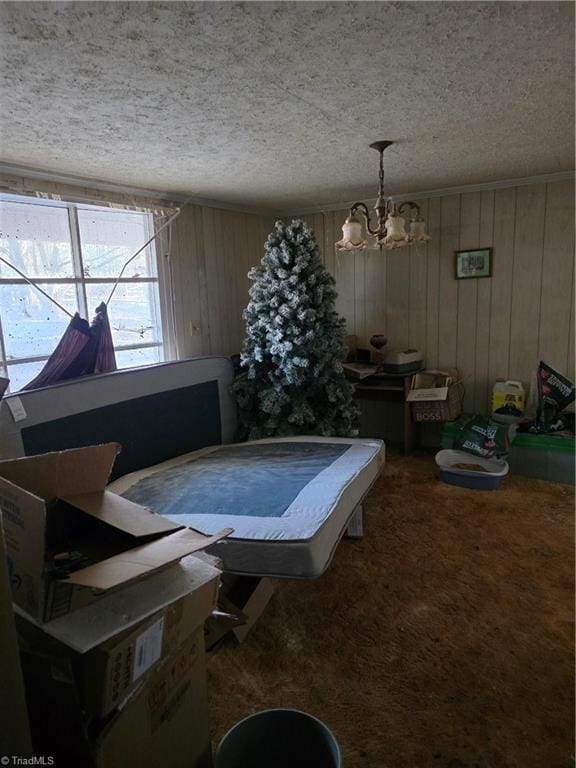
column 418, row 232
column 396, row 235
column 352, row 239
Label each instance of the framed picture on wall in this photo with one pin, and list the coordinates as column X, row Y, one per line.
column 477, row 263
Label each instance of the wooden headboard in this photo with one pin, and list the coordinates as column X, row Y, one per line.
column 156, row 413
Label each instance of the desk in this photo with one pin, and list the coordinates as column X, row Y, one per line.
column 390, row 389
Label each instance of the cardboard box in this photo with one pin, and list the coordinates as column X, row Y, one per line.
column 68, row 540
column 163, row 723
column 166, row 722
column 15, row 736
column 106, row 674
column 430, row 386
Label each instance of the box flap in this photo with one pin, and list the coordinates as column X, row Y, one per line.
column 122, row 513
column 115, row 612
column 427, row 395
column 144, row 559
column 63, row 473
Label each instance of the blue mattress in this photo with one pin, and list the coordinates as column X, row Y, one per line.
column 287, row 499
column 259, row 480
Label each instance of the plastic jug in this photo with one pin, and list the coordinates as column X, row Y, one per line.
column 508, row 401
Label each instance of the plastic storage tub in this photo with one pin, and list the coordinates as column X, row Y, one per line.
column 543, row 457
column 483, row 481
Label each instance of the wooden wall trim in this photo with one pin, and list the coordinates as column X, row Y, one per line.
column 486, row 186
column 17, row 179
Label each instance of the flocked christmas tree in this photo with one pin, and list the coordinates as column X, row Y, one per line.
column 293, row 352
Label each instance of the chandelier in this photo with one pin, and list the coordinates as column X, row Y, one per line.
column 390, row 230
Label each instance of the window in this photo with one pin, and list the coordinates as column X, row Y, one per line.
column 75, row 253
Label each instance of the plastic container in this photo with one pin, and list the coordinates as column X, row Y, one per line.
column 279, row 738
column 543, row 457
column 483, row 481
column 508, row 401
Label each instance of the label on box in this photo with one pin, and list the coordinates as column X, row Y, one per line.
column 16, row 408
column 148, row 648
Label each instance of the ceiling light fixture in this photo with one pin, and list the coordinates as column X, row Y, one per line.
column 390, row 231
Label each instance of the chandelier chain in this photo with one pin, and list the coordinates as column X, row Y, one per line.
column 381, row 175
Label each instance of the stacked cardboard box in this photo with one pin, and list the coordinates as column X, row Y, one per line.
column 110, row 605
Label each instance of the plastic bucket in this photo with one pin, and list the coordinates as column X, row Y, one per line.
column 279, row 738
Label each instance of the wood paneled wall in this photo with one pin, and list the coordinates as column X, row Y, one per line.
column 211, row 253
column 488, row 327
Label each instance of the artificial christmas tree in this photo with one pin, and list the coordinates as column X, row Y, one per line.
column 294, row 383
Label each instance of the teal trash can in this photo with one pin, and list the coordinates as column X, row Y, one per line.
column 279, row 738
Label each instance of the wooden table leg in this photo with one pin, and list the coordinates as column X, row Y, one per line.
column 409, row 427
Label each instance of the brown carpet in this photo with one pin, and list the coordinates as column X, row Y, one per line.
column 443, row 639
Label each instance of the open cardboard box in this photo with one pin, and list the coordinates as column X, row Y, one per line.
column 106, row 669
column 69, row 541
column 431, row 386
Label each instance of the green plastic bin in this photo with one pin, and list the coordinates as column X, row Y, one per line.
column 543, row 457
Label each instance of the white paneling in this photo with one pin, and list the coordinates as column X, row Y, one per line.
column 483, row 311
column 489, row 327
column 418, row 292
column 397, row 296
column 502, row 283
column 467, row 300
column 527, row 280
column 557, row 274
column 448, row 285
column 433, row 284
column 375, row 293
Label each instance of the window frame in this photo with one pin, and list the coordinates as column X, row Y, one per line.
column 161, row 307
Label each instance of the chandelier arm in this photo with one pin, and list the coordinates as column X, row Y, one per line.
column 411, row 203
column 363, row 209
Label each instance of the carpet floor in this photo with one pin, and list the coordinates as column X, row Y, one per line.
column 442, row 639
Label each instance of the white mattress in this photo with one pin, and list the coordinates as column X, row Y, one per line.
column 300, row 542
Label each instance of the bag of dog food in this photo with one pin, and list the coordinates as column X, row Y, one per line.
column 483, row 437
column 555, row 392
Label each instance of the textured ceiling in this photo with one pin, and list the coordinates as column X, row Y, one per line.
column 274, row 104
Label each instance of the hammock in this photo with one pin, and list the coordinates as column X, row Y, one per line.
column 84, row 349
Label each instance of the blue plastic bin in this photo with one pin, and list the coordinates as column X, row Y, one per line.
column 489, row 480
